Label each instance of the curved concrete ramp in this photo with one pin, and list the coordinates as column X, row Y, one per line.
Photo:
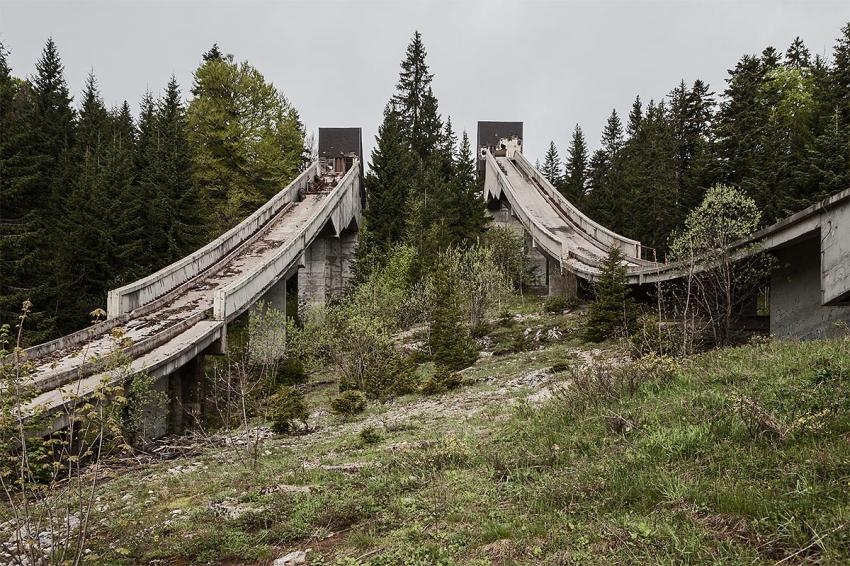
column 555, row 225
column 163, row 321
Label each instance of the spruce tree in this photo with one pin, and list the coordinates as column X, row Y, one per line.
column 177, row 212
column 214, row 54
column 575, row 170
column 388, row 183
column 451, row 345
column 15, row 211
column 86, row 251
column 635, row 117
column 613, row 313
column 797, row 55
column 37, row 172
column 612, row 135
column 552, row 165
column 469, row 215
column 448, row 151
column 830, row 162
column 415, row 102
column 607, row 200
column 130, row 214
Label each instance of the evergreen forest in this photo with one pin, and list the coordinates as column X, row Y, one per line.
column 92, row 197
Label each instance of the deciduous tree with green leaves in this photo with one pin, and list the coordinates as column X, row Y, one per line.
column 246, row 139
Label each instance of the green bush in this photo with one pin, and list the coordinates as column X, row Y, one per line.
column 560, row 367
column 442, row 380
column 348, row 403
column 650, row 337
column 290, row 371
column 286, row 409
column 559, row 303
column 370, row 435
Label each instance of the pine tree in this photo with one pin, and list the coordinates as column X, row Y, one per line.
column 552, row 165
column 575, row 170
column 86, row 251
column 635, row 117
column 388, row 184
column 177, row 211
column 613, row 313
column 415, row 102
column 36, row 174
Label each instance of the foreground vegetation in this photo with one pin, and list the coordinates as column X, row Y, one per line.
column 554, row 455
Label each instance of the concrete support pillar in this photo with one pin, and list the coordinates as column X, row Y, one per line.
column 156, row 422
column 538, row 262
column 328, row 268
column 795, row 295
column 561, row 283
column 186, row 394
column 347, row 250
column 276, row 296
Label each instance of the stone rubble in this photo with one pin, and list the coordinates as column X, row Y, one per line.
column 295, row 557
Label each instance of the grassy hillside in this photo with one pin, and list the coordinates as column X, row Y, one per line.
column 557, row 454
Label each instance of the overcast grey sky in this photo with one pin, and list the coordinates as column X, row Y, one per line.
column 548, row 64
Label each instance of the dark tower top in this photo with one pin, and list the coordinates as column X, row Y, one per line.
column 334, row 142
column 338, row 147
column 489, row 135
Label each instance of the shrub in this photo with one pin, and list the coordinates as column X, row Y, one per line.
column 602, row 381
column 290, row 371
column 560, row 366
column 509, row 255
column 370, row 435
column 652, row 337
column 349, row 403
column 441, row 381
column 286, row 409
column 559, row 303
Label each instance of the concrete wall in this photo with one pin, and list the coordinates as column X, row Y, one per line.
column 835, row 244
column 795, row 295
column 327, row 270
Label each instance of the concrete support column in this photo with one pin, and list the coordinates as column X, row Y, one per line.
column 186, row 395
column 311, row 277
column 328, row 268
column 347, row 250
column 275, row 297
column 561, row 283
